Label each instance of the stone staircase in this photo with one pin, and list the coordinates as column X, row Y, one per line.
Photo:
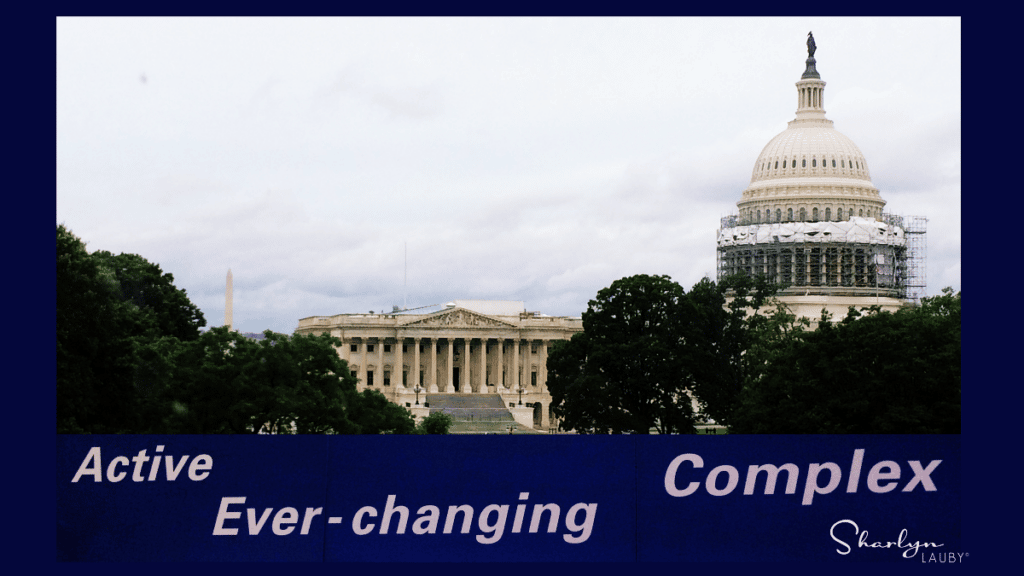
column 475, row 413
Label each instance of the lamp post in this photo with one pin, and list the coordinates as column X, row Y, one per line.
column 417, row 390
column 521, row 390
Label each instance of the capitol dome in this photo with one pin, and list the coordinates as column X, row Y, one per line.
column 819, row 150
column 811, row 221
column 810, row 172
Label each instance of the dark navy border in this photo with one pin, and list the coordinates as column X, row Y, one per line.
column 989, row 346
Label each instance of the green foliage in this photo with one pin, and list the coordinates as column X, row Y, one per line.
column 95, row 353
column 873, row 373
column 163, row 310
column 206, row 387
column 732, row 324
column 372, row 413
column 626, row 371
column 436, row 423
column 131, row 359
column 647, row 345
column 225, row 383
column 113, row 313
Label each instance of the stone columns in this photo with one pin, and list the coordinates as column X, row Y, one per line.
column 483, row 365
column 515, row 365
column 380, row 363
column 527, row 351
column 499, row 376
column 466, row 384
column 362, row 365
column 432, row 373
column 450, row 386
column 542, row 369
column 343, row 351
column 399, row 366
column 415, row 369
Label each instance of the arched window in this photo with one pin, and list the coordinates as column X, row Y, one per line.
column 789, row 215
column 842, row 163
column 777, row 164
column 814, row 214
column 783, row 164
column 814, row 162
column 803, row 214
column 833, row 162
column 828, row 214
column 767, row 215
column 861, row 212
column 803, row 164
column 778, row 215
column 839, row 214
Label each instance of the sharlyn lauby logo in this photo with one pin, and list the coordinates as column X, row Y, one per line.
column 845, row 531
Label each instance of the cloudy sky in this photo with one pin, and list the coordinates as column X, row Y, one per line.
column 354, row 164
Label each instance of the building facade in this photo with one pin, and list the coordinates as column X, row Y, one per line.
column 470, row 347
column 812, row 221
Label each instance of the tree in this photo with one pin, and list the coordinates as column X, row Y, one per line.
column 436, row 423
column 95, row 353
column 112, row 314
column 372, row 413
column 206, row 385
column 626, row 372
column 164, row 310
column 733, row 322
column 227, row 383
column 874, row 373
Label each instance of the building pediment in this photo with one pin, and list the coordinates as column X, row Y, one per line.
column 458, row 318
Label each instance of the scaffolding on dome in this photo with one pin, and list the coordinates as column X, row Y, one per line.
column 857, row 257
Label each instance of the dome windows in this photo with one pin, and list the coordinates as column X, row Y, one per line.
column 814, row 162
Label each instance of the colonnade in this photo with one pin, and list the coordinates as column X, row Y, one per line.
column 454, row 364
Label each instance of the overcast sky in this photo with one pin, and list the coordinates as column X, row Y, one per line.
column 341, row 165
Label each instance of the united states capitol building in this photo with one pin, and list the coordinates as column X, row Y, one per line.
column 810, row 220
column 482, row 361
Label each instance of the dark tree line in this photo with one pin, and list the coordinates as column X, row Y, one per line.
column 131, row 358
column 648, row 348
column 870, row 373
